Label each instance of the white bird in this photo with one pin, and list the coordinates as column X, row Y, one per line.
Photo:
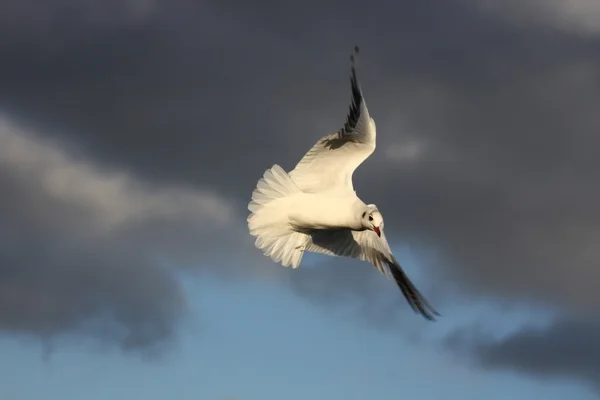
column 315, row 208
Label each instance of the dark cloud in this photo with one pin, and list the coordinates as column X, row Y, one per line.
column 487, row 131
column 565, row 348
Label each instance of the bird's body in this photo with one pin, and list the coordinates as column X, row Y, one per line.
column 324, row 211
column 314, row 207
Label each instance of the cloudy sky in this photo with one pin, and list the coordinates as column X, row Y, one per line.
column 133, row 132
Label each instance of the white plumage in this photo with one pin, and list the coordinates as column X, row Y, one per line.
column 315, row 208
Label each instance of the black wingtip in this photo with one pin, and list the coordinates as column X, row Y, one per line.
column 431, row 315
column 354, row 56
column 415, row 299
column 426, row 311
column 424, row 308
column 357, row 99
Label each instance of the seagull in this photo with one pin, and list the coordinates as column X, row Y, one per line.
column 315, row 208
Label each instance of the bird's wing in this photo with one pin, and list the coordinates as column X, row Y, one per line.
column 367, row 246
column 330, row 163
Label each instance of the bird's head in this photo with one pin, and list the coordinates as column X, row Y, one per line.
column 372, row 219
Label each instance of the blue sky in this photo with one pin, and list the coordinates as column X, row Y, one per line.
column 258, row 341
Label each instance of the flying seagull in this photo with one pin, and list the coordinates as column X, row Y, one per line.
column 315, row 208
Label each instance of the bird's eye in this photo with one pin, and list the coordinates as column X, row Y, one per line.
column 370, row 218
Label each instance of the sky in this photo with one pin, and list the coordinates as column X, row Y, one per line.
column 133, row 132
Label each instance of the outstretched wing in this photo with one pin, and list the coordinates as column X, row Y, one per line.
column 330, row 163
column 367, row 246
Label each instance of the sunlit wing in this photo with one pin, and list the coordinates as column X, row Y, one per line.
column 330, row 163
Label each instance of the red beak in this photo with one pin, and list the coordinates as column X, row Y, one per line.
column 377, row 230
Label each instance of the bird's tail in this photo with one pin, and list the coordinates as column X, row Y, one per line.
column 268, row 218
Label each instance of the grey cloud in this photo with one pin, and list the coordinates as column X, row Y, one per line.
column 82, row 246
column 565, row 348
column 579, row 17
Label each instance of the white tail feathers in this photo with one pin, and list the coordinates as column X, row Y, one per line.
column 268, row 220
column 274, row 184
